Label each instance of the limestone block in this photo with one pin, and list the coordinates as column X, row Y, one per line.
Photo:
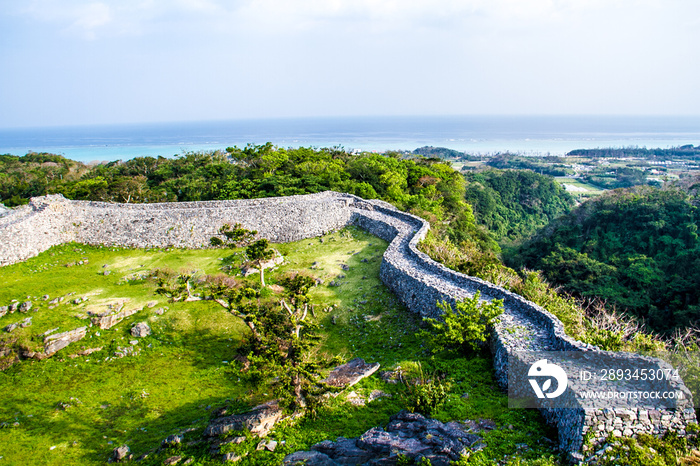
column 58, row 341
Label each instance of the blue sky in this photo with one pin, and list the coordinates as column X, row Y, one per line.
column 73, row 62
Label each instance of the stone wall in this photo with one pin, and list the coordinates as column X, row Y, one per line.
column 51, row 220
column 418, row 281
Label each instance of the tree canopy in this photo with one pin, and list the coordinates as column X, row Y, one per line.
column 638, row 249
column 514, row 204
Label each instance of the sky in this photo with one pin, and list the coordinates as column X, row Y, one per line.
column 76, row 62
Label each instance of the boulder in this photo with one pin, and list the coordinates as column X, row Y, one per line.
column 25, row 306
column 172, row 440
column 269, row 445
column 120, row 454
column 349, row 374
column 232, row 457
column 258, row 421
column 3, row 310
column 85, row 352
column 309, row 458
column 11, row 327
column 409, row 434
column 141, row 330
column 56, row 342
column 110, row 320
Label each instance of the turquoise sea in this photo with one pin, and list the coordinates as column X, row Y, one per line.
column 531, row 135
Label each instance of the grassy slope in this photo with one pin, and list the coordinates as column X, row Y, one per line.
column 181, row 369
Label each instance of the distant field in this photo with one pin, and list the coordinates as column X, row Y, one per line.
column 578, row 188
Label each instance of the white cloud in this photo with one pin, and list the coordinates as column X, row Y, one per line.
column 90, row 18
column 108, row 17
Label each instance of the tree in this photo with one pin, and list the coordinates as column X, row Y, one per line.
column 235, row 236
column 259, row 252
column 281, row 347
column 297, row 289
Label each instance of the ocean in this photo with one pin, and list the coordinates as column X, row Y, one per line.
column 529, row 135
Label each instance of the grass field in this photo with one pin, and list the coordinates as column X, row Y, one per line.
column 577, row 188
column 65, row 410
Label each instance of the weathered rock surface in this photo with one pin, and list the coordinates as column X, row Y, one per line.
column 25, row 306
column 110, row 320
column 56, row 342
column 120, row 454
column 141, row 330
column 11, row 327
column 408, row 434
column 85, row 352
column 258, row 421
column 232, row 457
column 349, row 374
column 172, row 440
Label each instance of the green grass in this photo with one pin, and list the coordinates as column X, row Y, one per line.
column 75, row 411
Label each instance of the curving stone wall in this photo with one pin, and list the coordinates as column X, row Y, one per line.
column 417, row 280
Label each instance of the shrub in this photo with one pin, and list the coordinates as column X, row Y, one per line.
column 423, row 394
column 465, row 327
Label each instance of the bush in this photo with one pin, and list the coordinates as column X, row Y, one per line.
column 423, row 394
column 465, row 327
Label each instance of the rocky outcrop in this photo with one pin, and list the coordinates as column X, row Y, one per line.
column 258, row 421
column 141, row 330
column 408, row 434
column 109, row 320
column 349, row 374
column 261, row 419
column 122, row 453
column 54, row 343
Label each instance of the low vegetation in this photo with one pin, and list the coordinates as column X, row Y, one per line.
column 64, row 409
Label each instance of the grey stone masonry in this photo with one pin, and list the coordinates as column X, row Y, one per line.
column 51, row 220
column 418, row 281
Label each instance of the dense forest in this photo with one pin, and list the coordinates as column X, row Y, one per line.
column 514, row 204
column 637, row 249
